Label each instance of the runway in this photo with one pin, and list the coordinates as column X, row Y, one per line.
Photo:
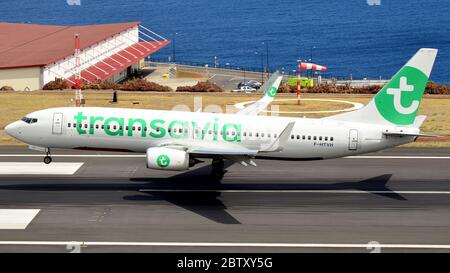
column 399, row 200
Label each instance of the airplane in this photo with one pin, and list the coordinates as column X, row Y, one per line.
column 176, row 140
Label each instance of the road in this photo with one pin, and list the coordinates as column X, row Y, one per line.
column 399, row 198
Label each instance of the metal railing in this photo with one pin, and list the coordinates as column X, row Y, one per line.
column 210, row 65
column 325, row 76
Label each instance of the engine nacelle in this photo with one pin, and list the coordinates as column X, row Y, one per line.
column 167, row 159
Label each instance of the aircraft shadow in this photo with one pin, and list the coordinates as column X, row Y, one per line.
column 195, row 191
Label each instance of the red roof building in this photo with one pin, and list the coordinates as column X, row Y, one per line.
column 32, row 55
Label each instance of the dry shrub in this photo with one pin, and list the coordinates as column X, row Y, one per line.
column 434, row 88
column 431, row 88
column 6, row 88
column 285, row 89
column 100, row 85
column 140, row 84
column 57, row 84
column 201, row 87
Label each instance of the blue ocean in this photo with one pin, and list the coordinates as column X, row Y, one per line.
column 362, row 38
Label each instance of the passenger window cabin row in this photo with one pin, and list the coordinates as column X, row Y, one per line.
column 169, row 130
column 305, row 137
column 180, row 130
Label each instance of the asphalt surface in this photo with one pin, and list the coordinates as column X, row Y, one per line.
column 393, row 198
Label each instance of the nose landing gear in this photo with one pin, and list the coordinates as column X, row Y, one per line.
column 48, row 158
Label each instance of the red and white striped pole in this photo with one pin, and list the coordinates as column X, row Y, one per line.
column 306, row 66
column 78, row 94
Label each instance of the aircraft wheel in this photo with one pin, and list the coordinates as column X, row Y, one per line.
column 47, row 160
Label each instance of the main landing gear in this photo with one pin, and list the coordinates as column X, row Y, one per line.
column 48, row 158
column 218, row 170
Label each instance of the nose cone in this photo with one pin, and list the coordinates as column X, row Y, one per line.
column 12, row 129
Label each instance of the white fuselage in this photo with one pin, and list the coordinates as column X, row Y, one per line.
column 137, row 130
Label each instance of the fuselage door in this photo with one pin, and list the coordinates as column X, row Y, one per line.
column 353, row 140
column 57, row 123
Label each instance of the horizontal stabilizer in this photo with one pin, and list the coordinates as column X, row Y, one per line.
column 408, row 134
column 418, row 121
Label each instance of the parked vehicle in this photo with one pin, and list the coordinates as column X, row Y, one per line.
column 245, row 88
column 251, row 83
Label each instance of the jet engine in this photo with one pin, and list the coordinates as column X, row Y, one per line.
column 167, row 159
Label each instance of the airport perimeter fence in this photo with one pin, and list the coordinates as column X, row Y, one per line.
column 326, row 76
column 211, row 65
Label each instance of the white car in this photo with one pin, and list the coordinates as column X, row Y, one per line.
column 246, row 89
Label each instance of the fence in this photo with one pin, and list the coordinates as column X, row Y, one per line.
column 324, row 75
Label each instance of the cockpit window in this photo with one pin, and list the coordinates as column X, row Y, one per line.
column 29, row 120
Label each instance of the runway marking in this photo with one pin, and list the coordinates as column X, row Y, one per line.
column 16, row 218
column 69, row 155
column 396, row 157
column 220, row 244
column 300, row 191
column 143, row 155
column 38, row 168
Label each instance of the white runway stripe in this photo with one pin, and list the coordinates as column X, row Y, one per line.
column 16, row 218
column 396, row 157
column 37, row 168
column 69, row 155
column 222, row 244
column 143, row 155
column 301, row 191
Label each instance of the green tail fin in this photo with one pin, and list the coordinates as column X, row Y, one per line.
column 398, row 101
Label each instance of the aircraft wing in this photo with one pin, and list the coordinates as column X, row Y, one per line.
column 199, row 148
column 270, row 89
column 231, row 150
column 222, row 151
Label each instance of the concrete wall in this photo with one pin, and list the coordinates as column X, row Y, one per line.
column 21, row 78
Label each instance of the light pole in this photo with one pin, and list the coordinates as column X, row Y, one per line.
column 267, row 55
column 267, row 60
column 311, row 58
column 262, row 67
column 243, row 71
column 173, row 46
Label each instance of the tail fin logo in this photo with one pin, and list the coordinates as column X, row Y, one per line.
column 272, row 92
column 397, row 93
column 399, row 100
